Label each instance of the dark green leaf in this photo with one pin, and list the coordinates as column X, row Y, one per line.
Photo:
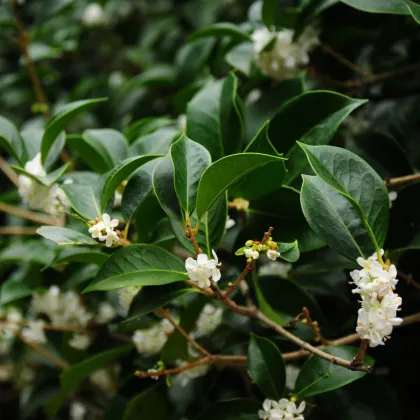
column 59, row 122
column 150, row 404
column 396, row 7
column 414, row 9
column 225, row 172
column 64, row 236
column 46, row 180
column 155, row 143
column 138, row 265
column 289, row 251
column 319, row 375
column 239, row 409
column 12, row 290
column 79, row 254
column 34, row 251
column 11, row 141
column 221, row 29
column 266, row 367
column 190, row 160
column 270, row 10
column 159, row 75
column 241, row 57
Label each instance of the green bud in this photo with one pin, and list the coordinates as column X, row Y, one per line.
column 249, row 243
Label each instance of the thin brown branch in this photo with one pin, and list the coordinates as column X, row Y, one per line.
column 232, row 287
column 27, row 214
column 165, row 314
column 390, row 182
column 343, row 60
column 360, row 356
column 314, row 326
column 206, row 291
column 190, row 233
column 8, row 171
column 17, row 230
column 409, row 279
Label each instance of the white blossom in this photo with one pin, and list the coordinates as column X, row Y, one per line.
column 202, row 269
column 116, row 79
column 292, row 373
column 51, row 200
column 77, row 411
column 283, row 409
column 104, row 230
column 249, row 253
column 35, row 332
column 94, row 15
column 126, row 295
column 253, row 96
column 106, row 313
column 6, row 372
column 273, row 254
column 151, row 340
column 229, row 223
column 276, row 269
column 185, row 377
column 117, row 199
column 80, row 341
column 285, row 57
column 104, row 379
column 182, row 123
column 209, row 319
column 153, row 371
column 393, row 195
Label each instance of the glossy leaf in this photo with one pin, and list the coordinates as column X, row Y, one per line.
column 11, row 141
column 64, row 236
column 414, row 9
column 396, row 7
column 33, row 251
column 270, row 9
column 155, row 143
column 138, row 265
column 238, row 409
column 59, row 122
column 353, row 177
column 46, row 180
column 221, row 29
column 225, row 172
column 336, row 219
column 266, row 367
column 112, row 180
column 213, row 118
column 12, row 290
column 289, row 251
column 241, row 57
column 190, row 160
column 319, row 375
column 80, row 254
column 138, row 189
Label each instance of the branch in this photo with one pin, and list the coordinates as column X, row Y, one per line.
column 27, row 214
column 402, row 180
column 409, row 279
column 190, row 234
column 17, row 230
column 9, row 172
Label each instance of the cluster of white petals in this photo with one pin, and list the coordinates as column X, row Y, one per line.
column 185, row 377
column 126, row 295
column 275, row 269
column 35, row 331
column 77, row 411
column 283, row 409
column 273, row 254
column 104, row 231
column 80, row 341
column 94, row 15
column 104, row 379
column 376, row 284
column 202, row 269
column 51, row 200
column 210, row 318
column 279, row 56
column 252, row 254
column 229, row 223
column 151, row 340
column 106, row 313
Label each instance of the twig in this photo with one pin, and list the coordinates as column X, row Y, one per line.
column 27, row 214
column 360, row 356
column 343, row 60
column 17, row 230
column 8, row 171
column 207, row 291
column 165, row 314
column 409, row 279
column 190, row 234
column 314, row 326
column 402, row 180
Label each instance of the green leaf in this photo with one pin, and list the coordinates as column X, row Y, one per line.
column 101, row 149
column 396, row 7
column 112, row 180
column 190, row 160
column 319, row 375
column 138, row 265
column 335, row 218
column 46, row 180
column 155, row 143
column 222, row 174
column 238, row 409
column 59, row 122
column 213, row 118
column 289, row 251
column 241, row 57
column 159, row 75
column 266, row 367
column 138, row 189
column 270, row 9
column 221, row 29
column 79, row 254
column 164, row 186
column 352, row 176
column 151, row 298
column 11, row 141
column 320, row 134
column 12, row 290
column 33, row 251
column 146, row 126
column 150, row 404
column 265, row 179
column 64, row 236
column 414, row 9
column 312, row 9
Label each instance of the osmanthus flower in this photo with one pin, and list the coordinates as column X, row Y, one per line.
column 251, row 254
column 103, row 230
column 126, row 295
column 80, row 341
column 209, row 319
column 35, row 331
column 272, row 254
column 283, row 409
column 203, row 269
column 94, row 15
column 151, row 340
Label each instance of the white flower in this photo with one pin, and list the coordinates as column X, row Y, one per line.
column 202, row 269
column 151, row 340
column 6, row 372
column 292, row 372
column 209, row 319
column 106, row 313
column 283, row 409
column 253, row 96
column 285, row 57
column 116, row 79
column 275, row 269
column 77, row 411
column 186, row 376
column 108, row 223
column 94, row 15
column 117, row 199
column 249, row 253
column 229, row 223
column 96, row 231
column 152, row 371
column 104, row 230
column 35, row 332
column 182, row 123
column 126, row 295
column 104, row 379
column 272, row 254
column 392, row 197
column 111, row 237
column 80, row 341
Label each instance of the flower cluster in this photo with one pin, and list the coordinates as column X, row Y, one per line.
column 275, row 268
column 283, row 409
column 184, row 377
column 252, row 250
column 51, row 200
column 151, row 340
column 202, row 269
column 126, row 295
column 209, row 319
column 376, row 283
column 103, row 230
column 279, row 56
column 94, row 15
